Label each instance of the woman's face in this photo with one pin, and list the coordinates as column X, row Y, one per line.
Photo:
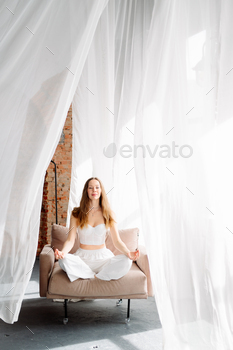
column 93, row 189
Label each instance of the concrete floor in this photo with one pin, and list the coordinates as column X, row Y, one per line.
column 97, row 324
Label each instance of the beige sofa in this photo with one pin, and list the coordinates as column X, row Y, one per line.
column 55, row 284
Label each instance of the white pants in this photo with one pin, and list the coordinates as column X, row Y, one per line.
column 100, row 262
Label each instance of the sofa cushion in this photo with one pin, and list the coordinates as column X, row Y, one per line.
column 59, row 236
column 129, row 236
column 133, row 283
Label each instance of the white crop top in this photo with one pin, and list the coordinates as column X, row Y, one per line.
column 92, row 235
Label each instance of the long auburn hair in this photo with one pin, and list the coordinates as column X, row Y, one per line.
column 82, row 211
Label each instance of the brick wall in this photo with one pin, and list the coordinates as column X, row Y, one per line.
column 63, row 158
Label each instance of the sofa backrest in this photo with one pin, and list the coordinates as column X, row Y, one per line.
column 129, row 236
column 59, row 236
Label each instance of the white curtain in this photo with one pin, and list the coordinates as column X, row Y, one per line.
column 186, row 198
column 43, row 48
column 170, row 171
column 157, row 79
column 92, row 109
column 104, row 108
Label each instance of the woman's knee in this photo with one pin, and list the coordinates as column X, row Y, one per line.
column 61, row 263
column 124, row 257
column 126, row 260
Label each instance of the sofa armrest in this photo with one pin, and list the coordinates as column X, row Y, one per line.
column 47, row 259
column 143, row 264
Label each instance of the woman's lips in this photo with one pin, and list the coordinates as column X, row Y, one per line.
column 94, row 195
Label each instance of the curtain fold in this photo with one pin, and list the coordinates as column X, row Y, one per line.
column 132, row 23
column 93, row 109
column 165, row 149
column 102, row 117
column 185, row 193
column 42, row 53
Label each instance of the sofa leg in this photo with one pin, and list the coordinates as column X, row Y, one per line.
column 65, row 319
column 127, row 320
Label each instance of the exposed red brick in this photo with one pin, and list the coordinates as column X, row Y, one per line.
column 63, row 158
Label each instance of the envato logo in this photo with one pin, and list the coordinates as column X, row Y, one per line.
column 163, row 151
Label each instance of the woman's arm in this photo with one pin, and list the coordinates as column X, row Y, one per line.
column 69, row 243
column 121, row 245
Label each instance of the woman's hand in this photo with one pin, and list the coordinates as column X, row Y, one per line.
column 134, row 255
column 59, row 254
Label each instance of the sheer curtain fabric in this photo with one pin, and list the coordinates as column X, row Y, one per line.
column 43, row 48
column 151, row 86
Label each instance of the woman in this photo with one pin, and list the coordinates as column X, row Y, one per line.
column 92, row 220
